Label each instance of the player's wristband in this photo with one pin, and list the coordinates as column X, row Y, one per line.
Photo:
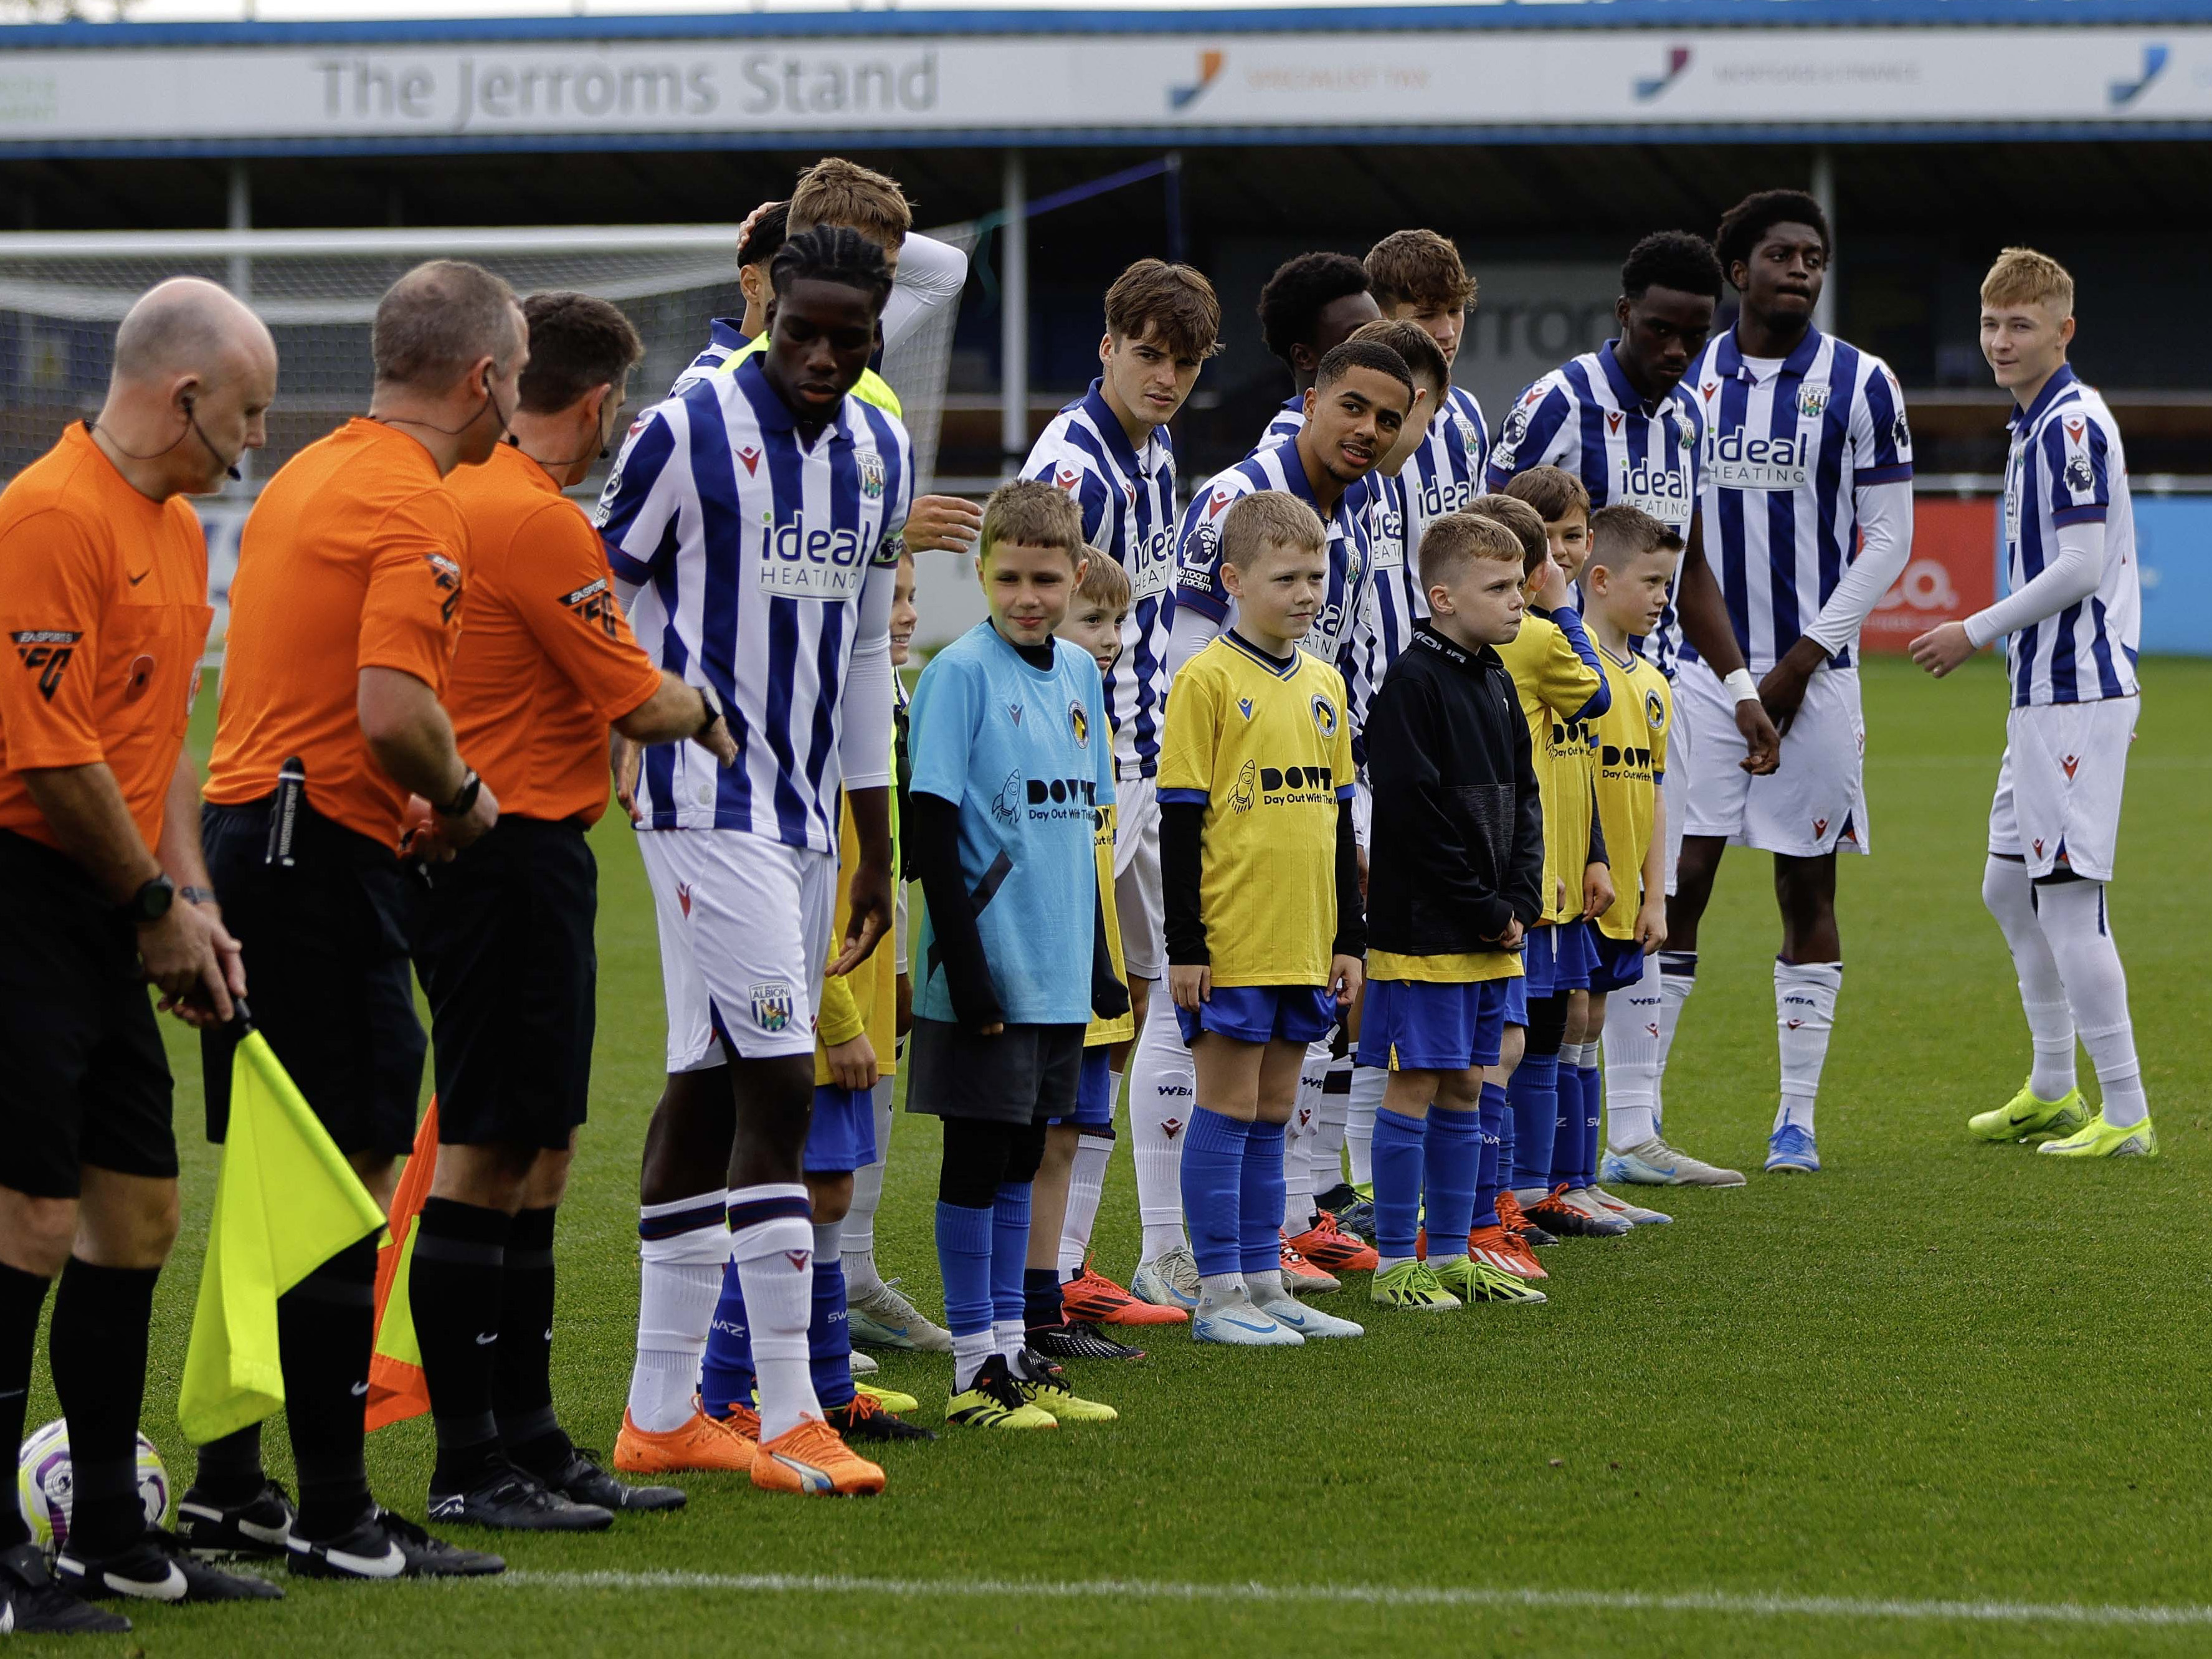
column 1742, row 686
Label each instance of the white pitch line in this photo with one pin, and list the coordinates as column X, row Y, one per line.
column 1153, row 1589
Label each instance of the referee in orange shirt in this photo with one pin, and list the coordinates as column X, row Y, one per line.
column 103, row 598
column 546, row 664
column 343, row 617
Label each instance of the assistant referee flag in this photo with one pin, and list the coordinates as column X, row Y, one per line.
column 285, row 1200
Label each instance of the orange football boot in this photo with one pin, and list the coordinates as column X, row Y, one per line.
column 1330, row 1248
column 1504, row 1251
column 811, row 1459
column 698, row 1445
column 1301, row 1277
column 1092, row 1296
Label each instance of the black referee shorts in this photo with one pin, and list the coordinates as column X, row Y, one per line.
column 84, row 1080
column 506, row 956
column 327, row 972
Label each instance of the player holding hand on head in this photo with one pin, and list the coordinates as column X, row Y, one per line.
column 1807, row 499
column 2073, row 616
column 927, row 276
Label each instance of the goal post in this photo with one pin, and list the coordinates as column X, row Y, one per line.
column 63, row 293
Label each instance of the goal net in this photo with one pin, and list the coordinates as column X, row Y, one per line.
column 62, row 294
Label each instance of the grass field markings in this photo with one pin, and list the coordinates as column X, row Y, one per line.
column 1446, row 1596
column 1952, row 762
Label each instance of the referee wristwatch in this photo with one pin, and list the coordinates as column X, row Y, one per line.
column 150, row 902
column 464, row 798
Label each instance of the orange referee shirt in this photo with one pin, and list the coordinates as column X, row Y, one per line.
column 546, row 661
column 353, row 558
column 103, row 598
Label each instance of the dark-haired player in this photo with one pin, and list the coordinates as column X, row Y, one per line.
column 1361, row 396
column 1111, row 451
column 1311, row 306
column 1807, row 504
column 1620, row 420
column 756, row 519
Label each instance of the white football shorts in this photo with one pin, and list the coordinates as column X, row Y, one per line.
column 1137, row 904
column 2059, row 785
column 1674, row 787
column 1812, row 804
column 745, row 929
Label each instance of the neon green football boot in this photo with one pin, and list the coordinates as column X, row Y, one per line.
column 2024, row 1117
column 1411, row 1285
column 2097, row 1139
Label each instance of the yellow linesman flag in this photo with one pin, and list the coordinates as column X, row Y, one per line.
column 285, row 1200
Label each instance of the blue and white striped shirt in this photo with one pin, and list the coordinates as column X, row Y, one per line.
column 1126, row 497
column 1351, row 548
column 1784, row 458
column 726, row 337
column 763, row 564
column 1585, row 418
column 2066, row 467
column 1440, row 477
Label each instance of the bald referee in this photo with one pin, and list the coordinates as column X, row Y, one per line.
column 344, row 614
column 103, row 596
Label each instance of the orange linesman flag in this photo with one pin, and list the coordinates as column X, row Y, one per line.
column 397, row 1390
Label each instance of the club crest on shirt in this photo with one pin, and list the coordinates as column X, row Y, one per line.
column 773, row 1004
column 1813, row 400
column 1655, row 709
column 1078, row 722
column 871, row 466
column 1324, row 715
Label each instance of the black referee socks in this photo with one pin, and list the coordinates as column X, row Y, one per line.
column 454, row 1291
column 324, row 1327
column 522, row 1380
column 99, row 1346
column 21, row 1297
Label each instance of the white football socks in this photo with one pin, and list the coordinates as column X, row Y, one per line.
column 1368, row 1083
column 969, row 1350
column 1804, row 1016
column 2010, row 897
column 2079, row 932
column 1677, row 977
column 679, row 1281
column 1631, row 1061
column 857, row 1248
column 1006, row 1339
column 776, row 1266
column 1298, row 1136
column 1162, row 1088
column 1326, row 1154
column 1086, row 1180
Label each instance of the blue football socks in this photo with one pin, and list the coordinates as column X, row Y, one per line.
column 1454, row 1164
column 1397, row 1164
column 1260, row 1201
column 1213, row 1179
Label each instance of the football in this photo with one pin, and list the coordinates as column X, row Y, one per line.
column 44, row 1484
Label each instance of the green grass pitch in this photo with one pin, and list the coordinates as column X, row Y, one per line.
column 1940, row 1372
